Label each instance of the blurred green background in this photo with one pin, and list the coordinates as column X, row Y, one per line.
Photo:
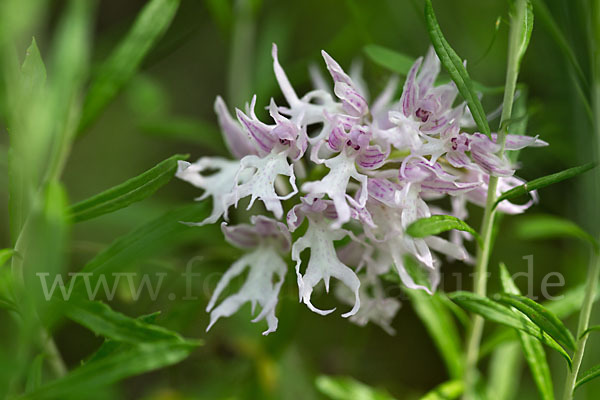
column 222, row 47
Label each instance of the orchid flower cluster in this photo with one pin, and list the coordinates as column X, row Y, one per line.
column 348, row 168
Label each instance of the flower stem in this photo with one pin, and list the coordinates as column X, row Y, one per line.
column 594, row 268
column 584, row 319
column 487, row 225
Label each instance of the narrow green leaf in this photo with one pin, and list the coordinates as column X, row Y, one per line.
column 68, row 72
column 504, row 370
column 34, row 376
column 549, row 226
column 389, row 59
column 570, row 301
column 590, row 329
column 44, row 242
column 124, row 61
column 30, row 135
column 455, row 67
column 222, row 13
column 5, row 255
column 127, row 193
column 113, row 368
column 546, row 17
column 145, row 241
column 186, row 130
column 438, row 321
column 400, row 63
column 441, row 328
column 588, row 375
column 33, row 70
column 437, row 224
column 344, row 388
column 498, row 313
column 533, row 350
column 524, row 34
column 102, row 320
column 540, row 316
column 446, row 391
column 543, row 182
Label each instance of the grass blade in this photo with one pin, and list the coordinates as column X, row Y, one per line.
column 455, row 67
column 122, row 64
column 127, row 193
column 543, row 182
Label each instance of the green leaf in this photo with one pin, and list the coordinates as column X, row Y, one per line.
column 127, row 193
column 439, row 323
column 498, row 313
column 437, row 224
column 446, row 391
column 119, row 365
column 33, row 71
column 533, row 350
column 5, row 255
column 389, row 59
column 504, row 370
column 570, row 301
column 454, row 65
column 399, row 63
column 540, row 316
column 344, row 388
column 588, row 375
column 145, row 241
column 68, row 73
column 543, row 182
column 524, row 34
column 545, row 16
column 102, row 320
column 34, row 377
column 150, row 24
column 590, row 329
column 43, row 244
column 550, row 226
column 30, row 135
column 190, row 130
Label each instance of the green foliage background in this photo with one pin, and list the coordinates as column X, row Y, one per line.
column 222, row 47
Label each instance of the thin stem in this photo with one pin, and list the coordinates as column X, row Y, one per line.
column 487, row 225
column 241, row 54
column 55, row 360
column 584, row 320
column 594, row 268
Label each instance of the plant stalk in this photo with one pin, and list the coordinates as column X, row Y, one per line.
column 584, row 319
column 487, row 225
column 594, row 268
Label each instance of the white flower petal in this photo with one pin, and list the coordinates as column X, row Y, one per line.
column 265, row 265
